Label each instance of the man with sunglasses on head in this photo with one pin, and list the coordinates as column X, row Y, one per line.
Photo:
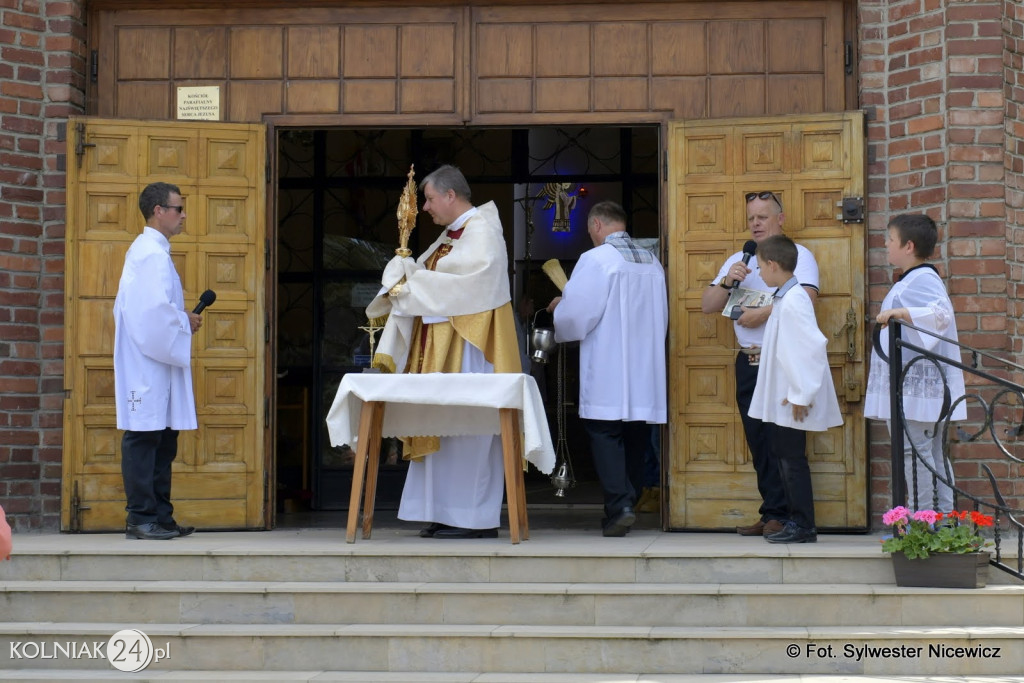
column 152, row 373
column 764, row 219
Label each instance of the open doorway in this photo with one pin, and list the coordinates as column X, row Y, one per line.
column 337, row 194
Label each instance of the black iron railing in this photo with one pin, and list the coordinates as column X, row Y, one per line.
column 998, row 431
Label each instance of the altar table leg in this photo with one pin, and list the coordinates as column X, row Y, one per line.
column 367, row 458
column 515, row 488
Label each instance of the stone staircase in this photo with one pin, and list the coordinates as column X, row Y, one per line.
column 565, row 606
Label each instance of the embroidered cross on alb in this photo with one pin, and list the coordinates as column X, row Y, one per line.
column 134, row 400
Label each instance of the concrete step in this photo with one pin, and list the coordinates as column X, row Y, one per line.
column 567, row 604
column 870, row 650
column 644, row 556
column 64, row 675
column 571, row 604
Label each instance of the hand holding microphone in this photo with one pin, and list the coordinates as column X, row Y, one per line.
column 749, row 249
column 205, row 299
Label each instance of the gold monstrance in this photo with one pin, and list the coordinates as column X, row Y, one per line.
column 406, row 214
column 406, row 222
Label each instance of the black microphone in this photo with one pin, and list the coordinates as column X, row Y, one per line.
column 749, row 249
column 208, row 297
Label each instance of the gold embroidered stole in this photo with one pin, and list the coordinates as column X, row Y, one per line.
column 438, row 348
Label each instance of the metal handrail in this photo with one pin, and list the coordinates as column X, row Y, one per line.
column 1008, row 519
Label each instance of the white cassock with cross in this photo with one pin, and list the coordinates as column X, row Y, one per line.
column 152, row 341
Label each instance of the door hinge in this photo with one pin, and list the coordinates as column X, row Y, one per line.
column 266, row 254
column 266, row 411
column 266, row 329
column 848, row 57
column 76, row 509
column 94, row 66
column 80, row 143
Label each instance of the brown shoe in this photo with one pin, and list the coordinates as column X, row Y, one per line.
column 752, row 530
column 772, row 526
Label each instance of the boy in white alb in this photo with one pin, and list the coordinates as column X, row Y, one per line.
column 765, row 218
column 794, row 391
column 919, row 298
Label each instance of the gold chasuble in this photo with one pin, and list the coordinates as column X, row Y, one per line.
column 466, row 269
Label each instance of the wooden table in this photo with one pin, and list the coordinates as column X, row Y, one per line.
column 414, row 405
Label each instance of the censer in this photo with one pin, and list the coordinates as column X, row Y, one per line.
column 563, row 477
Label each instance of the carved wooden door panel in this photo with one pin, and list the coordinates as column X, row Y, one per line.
column 812, row 162
column 219, row 474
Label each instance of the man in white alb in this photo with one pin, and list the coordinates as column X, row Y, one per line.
column 616, row 305
column 152, row 366
column 450, row 311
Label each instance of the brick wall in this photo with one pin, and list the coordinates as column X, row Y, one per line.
column 932, row 71
column 1013, row 163
column 42, row 82
column 1013, row 91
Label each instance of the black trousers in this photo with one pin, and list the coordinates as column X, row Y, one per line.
column 146, row 459
column 788, row 447
column 762, row 454
column 618, row 448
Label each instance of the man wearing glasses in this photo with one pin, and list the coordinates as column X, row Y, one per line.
column 152, row 374
column 764, row 219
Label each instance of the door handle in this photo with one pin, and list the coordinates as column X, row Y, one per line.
column 850, row 327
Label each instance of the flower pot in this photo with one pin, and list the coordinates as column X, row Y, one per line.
column 942, row 570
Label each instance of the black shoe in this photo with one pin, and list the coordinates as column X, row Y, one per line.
column 174, row 526
column 619, row 524
column 431, row 529
column 457, row 532
column 793, row 534
column 149, row 532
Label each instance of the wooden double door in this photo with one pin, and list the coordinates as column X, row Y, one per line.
column 223, row 474
column 219, row 476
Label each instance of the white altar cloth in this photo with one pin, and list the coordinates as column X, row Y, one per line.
column 444, row 404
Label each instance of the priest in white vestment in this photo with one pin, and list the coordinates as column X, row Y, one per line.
column 616, row 305
column 450, row 311
column 152, row 366
column 919, row 297
column 794, row 391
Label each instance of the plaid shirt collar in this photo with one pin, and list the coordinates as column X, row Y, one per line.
column 629, row 250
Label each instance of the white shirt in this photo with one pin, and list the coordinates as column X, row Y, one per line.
column 806, row 273
column 618, row 311
column 922, row 292
column 152, row 341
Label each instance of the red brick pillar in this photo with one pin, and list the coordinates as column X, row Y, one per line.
column 1013, row 90
column 42, row 82
column 932, row 76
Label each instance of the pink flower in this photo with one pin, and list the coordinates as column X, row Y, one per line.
column 927, row 516
column 897, row 514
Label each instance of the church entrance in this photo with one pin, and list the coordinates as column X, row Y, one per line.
column 337, row 194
